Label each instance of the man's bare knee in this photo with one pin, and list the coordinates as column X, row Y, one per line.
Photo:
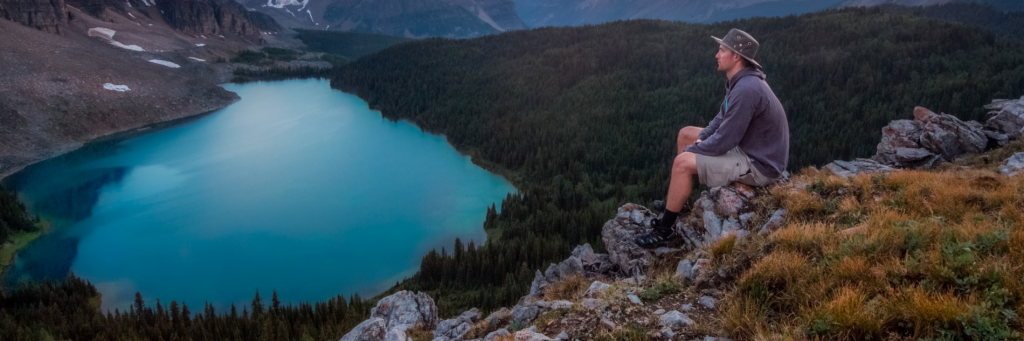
column 688, row 135
column 685, row 163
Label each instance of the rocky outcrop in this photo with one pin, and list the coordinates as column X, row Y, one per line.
column 931, row 139
column 212, row 17
column 190, row 16
column 1007, row 120
column 394, row 315
column 45, row 15
column 582, row 261
column 928, row 140
column 454, row 329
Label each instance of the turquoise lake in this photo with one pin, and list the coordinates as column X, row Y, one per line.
column 297, row 188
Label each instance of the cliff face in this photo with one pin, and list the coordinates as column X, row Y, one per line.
column 202, row 17
column 189, row 16
column 408, row 18
column 46, row 15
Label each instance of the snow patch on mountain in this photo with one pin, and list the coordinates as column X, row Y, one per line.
column 165, row 63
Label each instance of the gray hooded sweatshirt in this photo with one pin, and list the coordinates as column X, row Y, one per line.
column 753, row 119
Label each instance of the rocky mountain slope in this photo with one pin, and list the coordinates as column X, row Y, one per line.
column 404, row 18
column 77, row 70
column 537, row 13
column 862, row 249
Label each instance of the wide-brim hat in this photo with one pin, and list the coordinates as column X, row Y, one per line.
column 742, row 44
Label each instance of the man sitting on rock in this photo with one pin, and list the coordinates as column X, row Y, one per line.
column 748, row 141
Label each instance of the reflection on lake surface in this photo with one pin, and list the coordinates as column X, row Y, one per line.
column 297, row 187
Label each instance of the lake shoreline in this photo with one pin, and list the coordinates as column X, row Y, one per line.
column 247, row 158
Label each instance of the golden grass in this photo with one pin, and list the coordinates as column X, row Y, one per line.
column 723, row 246
column 904, row 255
column 570, row 289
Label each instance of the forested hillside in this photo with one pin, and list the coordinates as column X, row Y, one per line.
column 584, row 119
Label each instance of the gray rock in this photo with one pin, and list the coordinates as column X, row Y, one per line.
column 928, row 140
column 685, row 269
column 530, row 335
column 675, row 320
column 712, row 228
column 398, row 313
column 618, row 235
column 551, row 275
column 1007, row 118
column 687, row 307
column 668, row 333
column 496, row 318
column 634, row 299
column 1014, row 165
column 569, row 267
column 396, row 334
column 496, row 334
column 608, row 324
column 453, row 329
column 663, row 250
column 744, row 218
column 560, row 305
column 525, row 314
column 848, row 169
column 773, row 223
column 707, row 301
column 539, row 282
column 659, row 311
column 592, row 303
column 596, row 288
column 369, row 330
column 562, row 336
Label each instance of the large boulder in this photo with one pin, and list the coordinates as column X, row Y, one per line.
column 394, row 315
column 928, row 140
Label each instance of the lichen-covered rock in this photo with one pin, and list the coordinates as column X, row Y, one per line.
column 369, row 330
column 395, row 314
column 1014, row 165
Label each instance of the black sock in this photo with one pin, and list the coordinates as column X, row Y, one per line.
column 668, row 218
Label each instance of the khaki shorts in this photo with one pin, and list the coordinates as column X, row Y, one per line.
column 734, row 165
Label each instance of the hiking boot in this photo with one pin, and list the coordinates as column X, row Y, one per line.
column 658, row 236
